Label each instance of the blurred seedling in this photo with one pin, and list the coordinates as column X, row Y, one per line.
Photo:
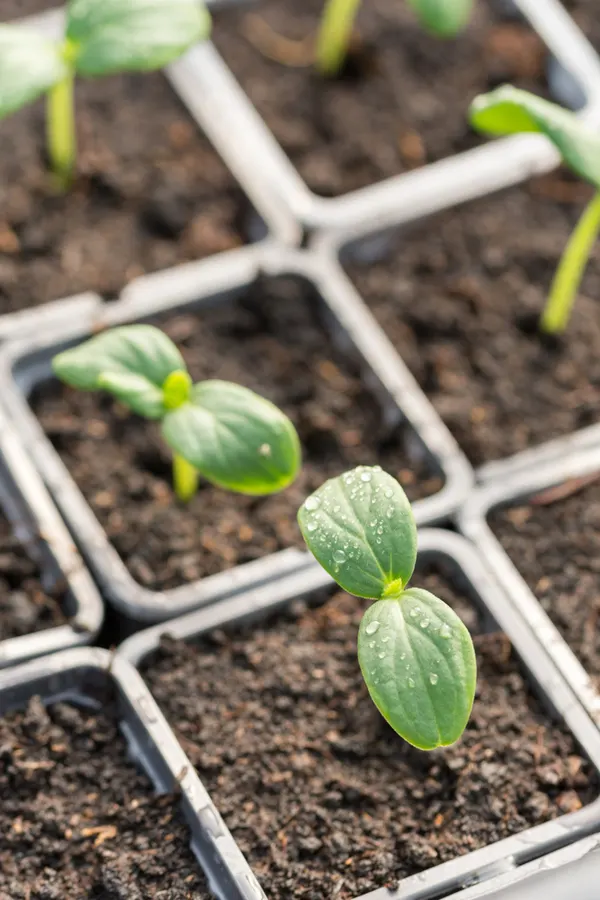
column 226, row 433
column 102, row 37
column 508, row 110
column 416, row 655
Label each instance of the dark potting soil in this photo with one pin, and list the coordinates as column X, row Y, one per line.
column 323, row 798
column 150, row 192
column 272, row 341
column 402, row 100
column 460, row 295
column 555, row 545
column 77, row 820
column 26, row 605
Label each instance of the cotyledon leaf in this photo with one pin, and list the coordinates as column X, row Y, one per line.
column 132, row 35
column 132, row 362
column 444, row 18
column 235, row 438
column 508, row 110
column 30, row 65
column 418, row 662
column 360, row 527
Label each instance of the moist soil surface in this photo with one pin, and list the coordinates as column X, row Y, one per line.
column 322, row 796
column 150, row 192
column 460, row 295
column 77, row 820
column 272, row 341
column 26, row 605
column 401, row 100
column 555, row 545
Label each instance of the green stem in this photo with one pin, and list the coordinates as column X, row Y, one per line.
column 61, row 130
column 185, row 478
column 563, row 292
column 334, row 35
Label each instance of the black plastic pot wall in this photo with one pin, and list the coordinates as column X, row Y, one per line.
column 483, row 870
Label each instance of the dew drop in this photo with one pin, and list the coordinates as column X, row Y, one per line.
column 339, row 556
column 445, row 632
column 312, row 503
column 371, row 644
column 390, row 512
column 403, row 656
column 265, row 450
column 413, row 613
column 434, row 678
column 424, row 623
column 389, row 494
column 365, row 476
column 372, row 627
column 411, row 682
column 385, row 639
column 381, row 655
column 312, row 525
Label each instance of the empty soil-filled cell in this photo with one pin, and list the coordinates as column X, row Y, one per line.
column 322, row 796
column 27, row 601
column 460, row 296
column 401, row 100
column 271, row 340
column 150, row 192
column 77, row 820
column 554, row 541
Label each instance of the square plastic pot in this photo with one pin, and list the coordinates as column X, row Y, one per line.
column 481, row 872
column 473, row 522
column 26, row 361
column 26, row 503
column 502, row 163
column 74, row 676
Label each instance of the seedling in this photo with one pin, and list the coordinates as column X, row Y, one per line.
column 102, row 37
column 443, row 18
column 225, row 432
column 508, row 110
column 416, row 656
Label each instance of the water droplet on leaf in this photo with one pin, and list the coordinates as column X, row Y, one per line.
column 365, row 476
column 445, row 632
column 434, row 678
column 372, row 627
column 339, row 556
column 312, row 503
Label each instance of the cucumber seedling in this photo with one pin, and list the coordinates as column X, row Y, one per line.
column 222, row 431
column 102, row 37
column 443, row 18
column 508, row 110
column 416, row 656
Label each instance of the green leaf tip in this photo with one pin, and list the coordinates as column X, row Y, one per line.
column 418, row 663
column 30, row 64
column 361, row 529
column 443, row 18
column 509, row 110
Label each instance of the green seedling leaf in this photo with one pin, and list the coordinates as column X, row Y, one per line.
column 443, row 18
column 236, row 439
column 30, row 65
column 509, row 110
column 132, row 35
column 419, row 665
column 133, row 363
column 360, row 527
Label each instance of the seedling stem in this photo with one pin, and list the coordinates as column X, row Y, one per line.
column 565, row 285
column 334, row 35
column 61, row 130
column 185, row 478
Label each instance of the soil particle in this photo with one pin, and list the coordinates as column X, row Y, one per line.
column 78, row 821
column 272, row 341
column 323, row 798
